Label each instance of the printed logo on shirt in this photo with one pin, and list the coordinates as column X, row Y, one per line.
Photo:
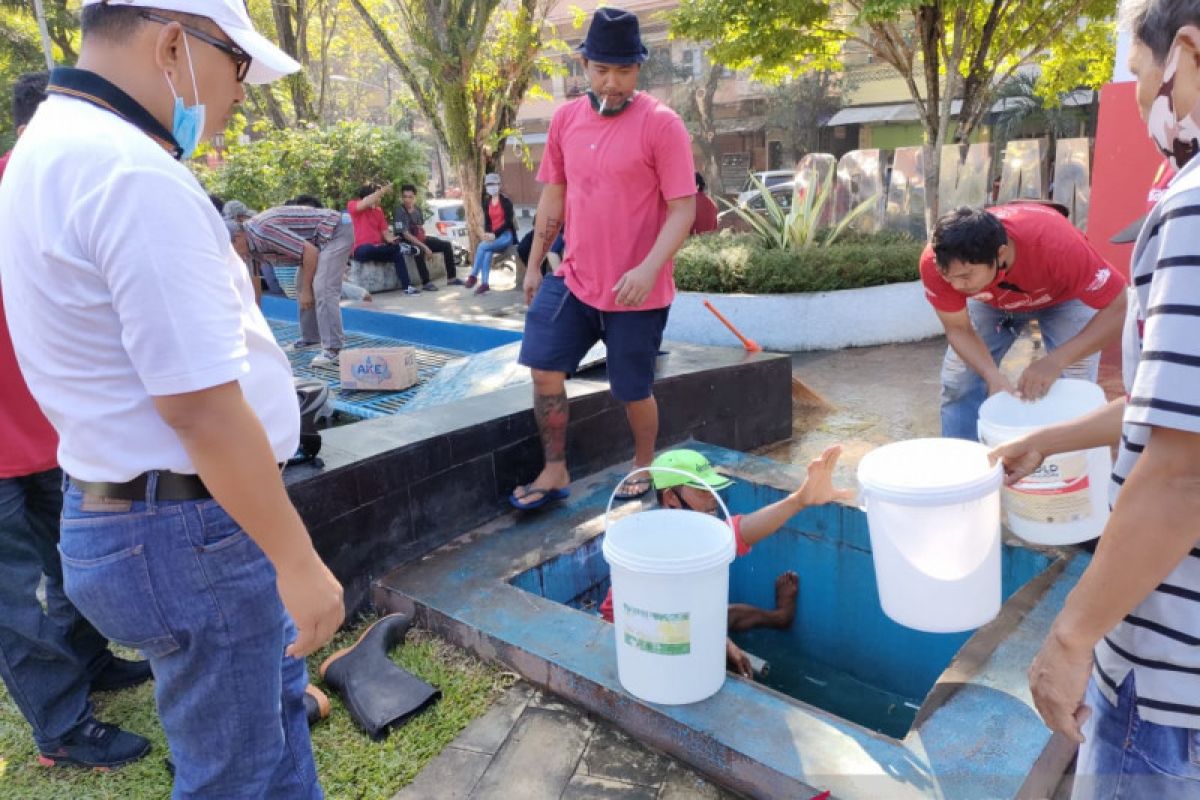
column 1102, row 276
column 983, row 297
column 1027, row 302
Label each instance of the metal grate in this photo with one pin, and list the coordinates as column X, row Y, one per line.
column 365, row 405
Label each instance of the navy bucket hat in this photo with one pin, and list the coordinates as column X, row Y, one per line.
column 614, row 38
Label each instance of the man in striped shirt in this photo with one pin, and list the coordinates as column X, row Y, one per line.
column 1132, row 623
column 320, row 242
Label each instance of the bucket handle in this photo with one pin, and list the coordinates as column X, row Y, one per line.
column 613, row 497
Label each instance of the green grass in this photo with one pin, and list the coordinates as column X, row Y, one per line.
column 350, row 765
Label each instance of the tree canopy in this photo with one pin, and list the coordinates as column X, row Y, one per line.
column 944, row 50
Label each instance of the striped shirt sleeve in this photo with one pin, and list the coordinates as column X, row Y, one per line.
column 1166, row 386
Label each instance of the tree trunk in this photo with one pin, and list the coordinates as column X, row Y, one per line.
column 929, row 32
column 269, row 104
column 706, row 134
column 287, row 21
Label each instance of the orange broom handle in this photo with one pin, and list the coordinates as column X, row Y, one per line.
column 749, row 344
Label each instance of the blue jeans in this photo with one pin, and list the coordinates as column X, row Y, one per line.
column 183, row 583
column 1127, row 758
column 49, row 657
column 963, row 391
column 395, row 253
column 485, row 251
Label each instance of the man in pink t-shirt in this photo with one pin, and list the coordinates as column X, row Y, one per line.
column 615, row 148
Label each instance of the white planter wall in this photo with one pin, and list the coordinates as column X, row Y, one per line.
column 898, row 312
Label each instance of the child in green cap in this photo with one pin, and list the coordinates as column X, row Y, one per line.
column 680, row 491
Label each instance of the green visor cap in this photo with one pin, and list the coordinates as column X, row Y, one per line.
column 692, row 463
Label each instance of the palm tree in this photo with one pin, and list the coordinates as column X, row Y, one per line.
column 1023, row 113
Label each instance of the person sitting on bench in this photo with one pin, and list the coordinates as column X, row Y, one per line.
column 374, row 240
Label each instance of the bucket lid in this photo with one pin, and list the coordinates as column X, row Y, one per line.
column 929, row 472
column 669, row 541
column 1067, row 399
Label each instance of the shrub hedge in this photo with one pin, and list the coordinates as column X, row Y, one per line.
column 723, row 263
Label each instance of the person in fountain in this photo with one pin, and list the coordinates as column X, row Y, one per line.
column 614, row 149
column 677, row 491
column 988, row 274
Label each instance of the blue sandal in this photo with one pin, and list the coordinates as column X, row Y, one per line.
column 541, row 497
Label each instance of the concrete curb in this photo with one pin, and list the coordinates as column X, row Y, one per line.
column 813, row 321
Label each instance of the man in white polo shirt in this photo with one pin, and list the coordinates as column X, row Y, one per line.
column 1120, row 669
column 135, row 326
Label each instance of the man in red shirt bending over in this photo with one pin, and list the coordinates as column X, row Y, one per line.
column 988, row 274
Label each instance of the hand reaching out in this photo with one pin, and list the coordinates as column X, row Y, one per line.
column 818, row 488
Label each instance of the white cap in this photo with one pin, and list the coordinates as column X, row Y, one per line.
column 270, row 63
column 491, row 179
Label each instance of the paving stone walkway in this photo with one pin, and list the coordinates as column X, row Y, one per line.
column 531, row 746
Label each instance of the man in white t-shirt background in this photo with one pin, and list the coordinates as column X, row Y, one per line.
column 135, row 326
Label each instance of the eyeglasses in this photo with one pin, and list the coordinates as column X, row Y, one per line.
column 241, row 59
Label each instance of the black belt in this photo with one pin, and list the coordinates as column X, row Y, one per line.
column 171, row 486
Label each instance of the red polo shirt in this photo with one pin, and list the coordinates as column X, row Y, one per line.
column 1055, row 263
column 30, row 444
column 370, row 224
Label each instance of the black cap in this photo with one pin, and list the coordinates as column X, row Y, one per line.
column 1130, row 232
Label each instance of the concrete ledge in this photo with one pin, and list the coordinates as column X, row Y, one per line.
column 380, row 276
column 815, row 321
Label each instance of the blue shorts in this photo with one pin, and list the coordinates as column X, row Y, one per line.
column 560, row 329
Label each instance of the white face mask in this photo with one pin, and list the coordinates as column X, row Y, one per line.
column 493, row 190
column 1177, row 135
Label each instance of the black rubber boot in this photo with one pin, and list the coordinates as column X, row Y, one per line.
column 377, row 693
column 316, row 705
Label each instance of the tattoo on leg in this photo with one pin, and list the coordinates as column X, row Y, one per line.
column 550, row 411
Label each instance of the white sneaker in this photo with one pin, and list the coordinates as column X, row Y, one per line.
column 326, row 358
column 412, row 290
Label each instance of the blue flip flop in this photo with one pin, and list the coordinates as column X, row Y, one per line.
column 543, row 496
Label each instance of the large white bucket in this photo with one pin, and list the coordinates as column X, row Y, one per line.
column 670, row 585
column 933, row 507
column 1066, row 500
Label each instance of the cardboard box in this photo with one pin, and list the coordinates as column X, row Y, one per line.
column 378, row 368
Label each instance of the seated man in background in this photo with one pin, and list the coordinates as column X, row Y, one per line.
column 374, row 240
column 409, row 224
column 677, row 491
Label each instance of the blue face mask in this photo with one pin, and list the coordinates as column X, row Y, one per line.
column 187, row 126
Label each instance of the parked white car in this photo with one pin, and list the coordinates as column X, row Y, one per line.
column 771, row 178
column 447, row 219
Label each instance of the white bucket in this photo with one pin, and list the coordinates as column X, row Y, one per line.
column 1066, row 500
column 670, row 586
column 933, row 507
